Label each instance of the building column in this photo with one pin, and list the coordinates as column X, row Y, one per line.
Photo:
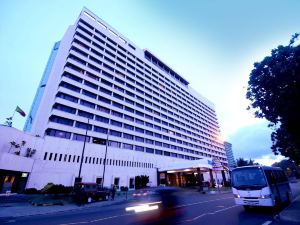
column 211, row 177
column 224, row 177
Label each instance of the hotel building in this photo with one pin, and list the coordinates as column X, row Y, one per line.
column 102, row 93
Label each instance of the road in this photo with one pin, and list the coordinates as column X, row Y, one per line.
column 197, row 209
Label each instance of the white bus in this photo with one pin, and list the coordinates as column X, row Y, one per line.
column 260, row 186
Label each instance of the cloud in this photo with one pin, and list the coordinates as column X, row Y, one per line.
column 268, row 160
column 251, row 141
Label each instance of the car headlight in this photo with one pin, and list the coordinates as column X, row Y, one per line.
column 236, row 196
column 266, row 196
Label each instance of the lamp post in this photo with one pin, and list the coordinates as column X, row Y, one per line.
column 104, row 161
column 82, row 153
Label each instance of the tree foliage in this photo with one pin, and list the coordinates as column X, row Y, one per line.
column 244, row 162
column 274, row 94
column 288, row 167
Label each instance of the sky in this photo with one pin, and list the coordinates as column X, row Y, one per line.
column 212, row 43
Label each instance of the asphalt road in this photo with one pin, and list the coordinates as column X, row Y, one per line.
column 208, row 209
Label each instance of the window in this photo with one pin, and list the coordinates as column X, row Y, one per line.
column 157, row 135
column 128, row 136
column 114, row 144
column 130, row 118
column 89, row 94
column 102, row 119
column 104, row 90
column 67, row 97
column 128, row 146
column 129, row 101
column 158, row 152
column 79, row 137
column 129, row 109
column 139, row 148
column 103, row 109
column 149, row 150
column 99, row 141
column 69, row 86
column 140, row 139
column 128, row 127
column 85, row 114
column 158, row 143
column 88, row 104
column 83, row 125
column 117, row 114
column 150, row 133
column 61, row 120
column 139, row 121
column 118, row 105
column 166, row 153
column 140, row 130
column 102, row 99
column 118, row 96
column 64, row 108
column 58, row 133
column 100, row 130
column 90, row 84
column 115, row 133
column 139, row 113
column 149, row 141
column 115, row 123
column 148, row 124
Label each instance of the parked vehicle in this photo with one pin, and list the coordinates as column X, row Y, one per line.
column 260, row 186
column 88, row 192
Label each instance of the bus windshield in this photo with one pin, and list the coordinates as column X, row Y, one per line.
column 248, row 178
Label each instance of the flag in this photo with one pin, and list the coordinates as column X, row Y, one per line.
column 19, row 110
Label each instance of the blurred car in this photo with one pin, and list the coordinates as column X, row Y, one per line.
column 88, row 192
column 156, row 206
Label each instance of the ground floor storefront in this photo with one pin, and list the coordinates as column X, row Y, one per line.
column 12, row 181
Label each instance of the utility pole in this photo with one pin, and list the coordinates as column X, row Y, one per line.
column 104, row 161
column 82, row 153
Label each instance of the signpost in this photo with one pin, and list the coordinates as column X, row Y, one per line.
column 216, row 164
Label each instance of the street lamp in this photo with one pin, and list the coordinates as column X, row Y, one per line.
column 104, row 161
column 78, row 179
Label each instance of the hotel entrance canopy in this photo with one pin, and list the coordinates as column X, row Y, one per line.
column 173, row 167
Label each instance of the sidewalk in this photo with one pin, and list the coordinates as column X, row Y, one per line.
column 291, row 214
column 11, row 210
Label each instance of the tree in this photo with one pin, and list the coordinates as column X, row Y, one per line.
column 243, row 162
column 274, row 94
column 288, row 167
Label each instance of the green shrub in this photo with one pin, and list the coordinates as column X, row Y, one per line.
column 51, row 188
column 31, row 191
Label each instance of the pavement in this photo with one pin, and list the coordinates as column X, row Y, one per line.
column 291, row 214
column 19, row 209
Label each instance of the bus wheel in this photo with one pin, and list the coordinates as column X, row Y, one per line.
column 247, row 207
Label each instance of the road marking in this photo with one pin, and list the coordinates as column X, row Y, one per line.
column 211, row 213
column 112, row 217
column 267, row 222
column 10, row 221
column 96, row 220
column 197, row 203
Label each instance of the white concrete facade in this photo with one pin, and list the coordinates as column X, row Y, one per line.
column 99, row 82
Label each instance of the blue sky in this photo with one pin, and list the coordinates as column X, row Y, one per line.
column 212, row 43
